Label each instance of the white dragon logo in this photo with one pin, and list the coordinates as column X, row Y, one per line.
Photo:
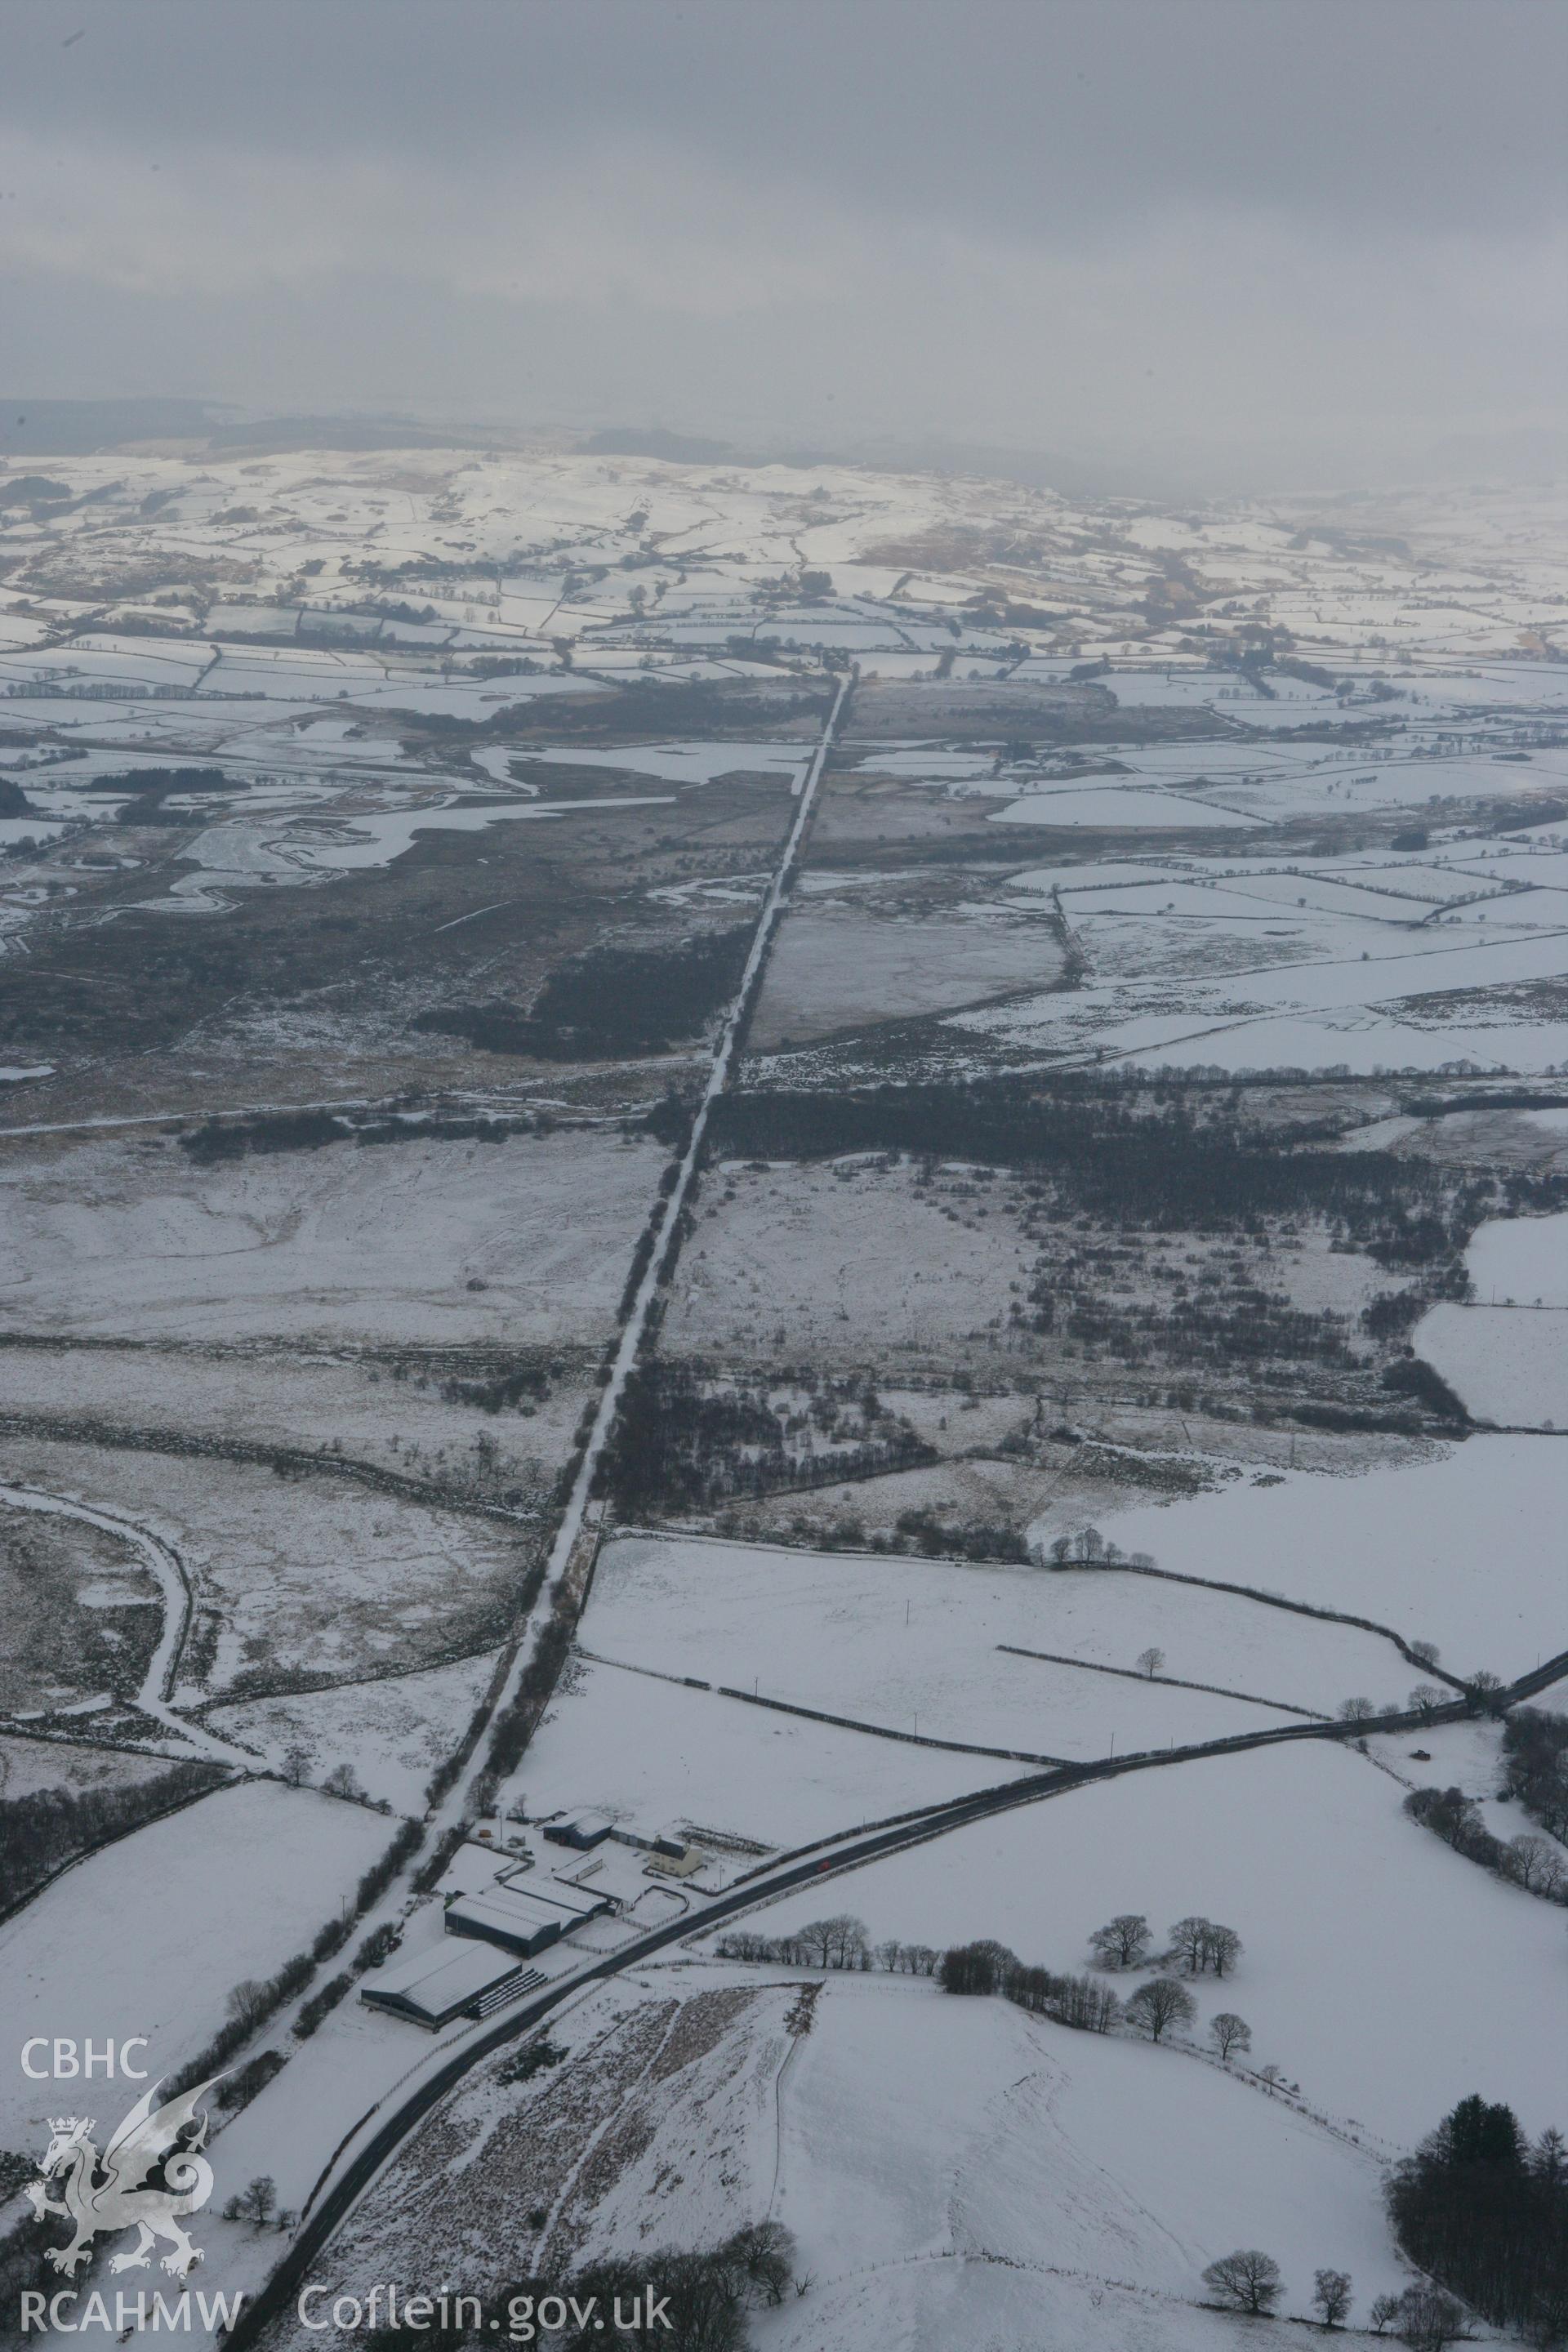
column 117, row 2192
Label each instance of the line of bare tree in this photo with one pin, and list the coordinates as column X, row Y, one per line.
column 1195, row 1945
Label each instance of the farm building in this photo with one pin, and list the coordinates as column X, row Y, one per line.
column 523, row 1919
column 582, row 1830
column 432, row 1987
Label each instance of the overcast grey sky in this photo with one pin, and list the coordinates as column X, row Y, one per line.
column 1268, row 238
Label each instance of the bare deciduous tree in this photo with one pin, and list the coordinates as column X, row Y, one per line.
column 1122, row 1942
column 1246, row 2281
column 258, row 2199
column 248, row 2003
column 1199, row 1944
column 850, row 1948
column 1149, row 1661
column 969, row 1969
column 1384, row 2308
column 1084, row 1549
column 764, row 2254
column 826, row 1941
column 1332, row 2296
column 1189, row 1940
column 1083, row 2002
column 1229, row 2034
column 1158, row 2005
column 1535, row 1864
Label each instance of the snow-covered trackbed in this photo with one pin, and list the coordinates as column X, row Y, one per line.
column 663, row 1234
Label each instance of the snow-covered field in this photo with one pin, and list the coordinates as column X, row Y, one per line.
column 1349, row 1009
column 283, row 1396
column 1459, row 1548
column 943, row 2164
column 30, row 1764
column 1366, row 1939
column 682, row 763
column 1361, row 869
column 1506, row 1354
column 653, row 1754
column 424, row 1242
column 242, row 856
column 955, row 2171
column 834, row 970
column 826, row 1259
column 917, row 1645
column 151, row 1935
column 1508, row 1365
column 1520, row 1261
column 1126, row 811
column 391, row 1732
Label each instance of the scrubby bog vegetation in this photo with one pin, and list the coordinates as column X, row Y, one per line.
column 1137, row 1158
column 309, row 1131
column 688, row 1438
column 1247, row 1269
column 613, row 1001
